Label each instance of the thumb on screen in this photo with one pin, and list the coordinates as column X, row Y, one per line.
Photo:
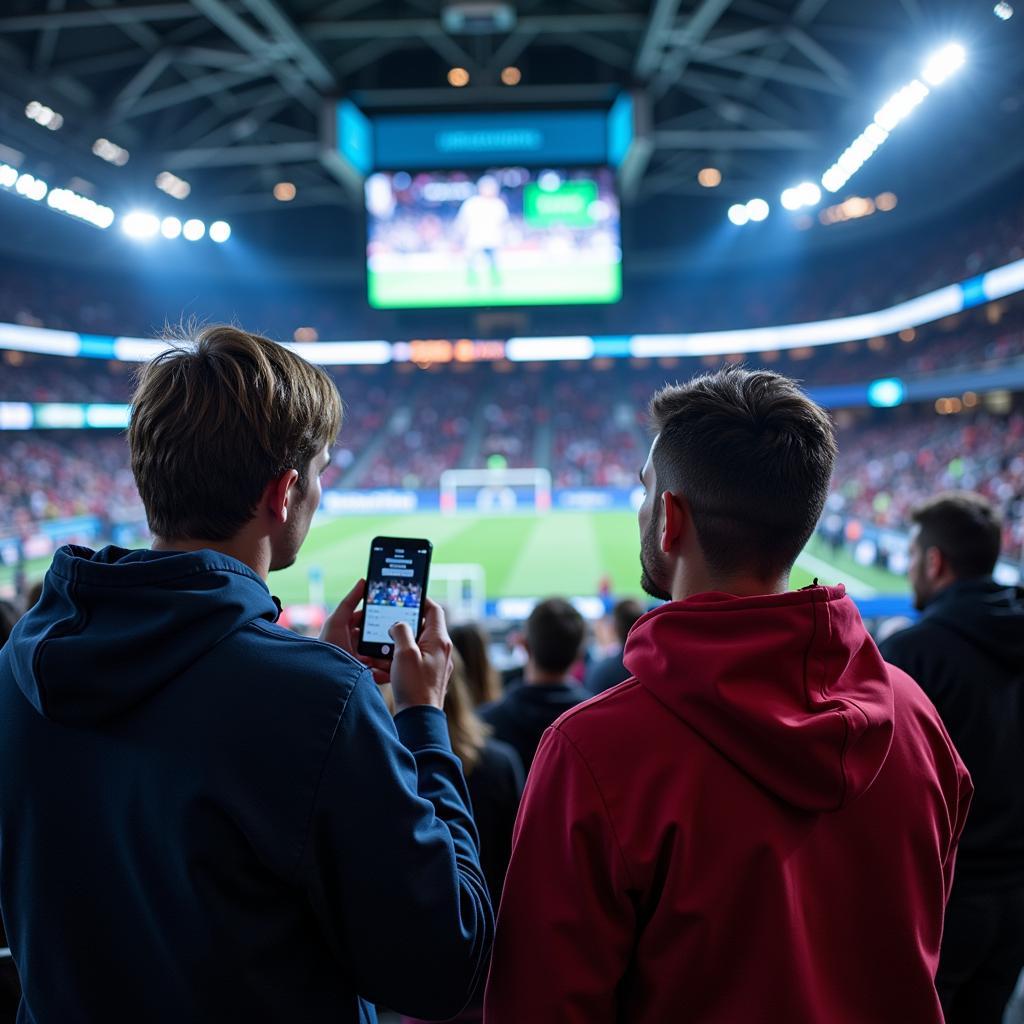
column 402, row 635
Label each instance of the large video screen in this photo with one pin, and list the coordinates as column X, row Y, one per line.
column 502, row 237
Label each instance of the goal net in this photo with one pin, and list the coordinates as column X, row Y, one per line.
column 461, row 589
column 495, row 491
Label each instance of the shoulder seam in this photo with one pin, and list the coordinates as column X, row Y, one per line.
column 604, row 804
column 280, row 633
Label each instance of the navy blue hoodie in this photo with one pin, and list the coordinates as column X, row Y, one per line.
column 205, row 817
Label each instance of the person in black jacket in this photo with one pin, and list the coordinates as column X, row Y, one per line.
column 554, row 639
column 610, row 670
column 967, row 653
column 206, row 817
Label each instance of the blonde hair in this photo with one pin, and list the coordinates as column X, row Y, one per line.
column 467, row 732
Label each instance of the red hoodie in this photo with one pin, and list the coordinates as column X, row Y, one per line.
column 759, row 826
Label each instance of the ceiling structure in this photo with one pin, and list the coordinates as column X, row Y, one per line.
column 229, row 94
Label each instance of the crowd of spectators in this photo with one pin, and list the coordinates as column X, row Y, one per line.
column 884, row 470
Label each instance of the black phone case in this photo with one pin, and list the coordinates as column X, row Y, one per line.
column 369, row 650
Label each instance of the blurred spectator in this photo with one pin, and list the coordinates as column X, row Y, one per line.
column 483, row 682
column 554, row 640
column 967, row 653
column 8, row 617
column 494, row 776
column 610, row 670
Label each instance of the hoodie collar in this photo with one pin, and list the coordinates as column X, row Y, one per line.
column 113, row 627
column 788, row 687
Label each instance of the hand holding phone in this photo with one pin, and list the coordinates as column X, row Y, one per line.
column 420, row 670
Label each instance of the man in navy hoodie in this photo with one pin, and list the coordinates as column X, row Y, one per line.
column 205, row 817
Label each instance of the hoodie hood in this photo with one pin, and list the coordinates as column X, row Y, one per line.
column 789, row 687
column 113, row 627
column 988, row 614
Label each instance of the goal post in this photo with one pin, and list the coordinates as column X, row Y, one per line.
column 461, row 589
column 495, row 490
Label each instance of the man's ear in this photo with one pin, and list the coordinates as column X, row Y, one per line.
column 279, row 494
column 934, row 563
column 675, row 515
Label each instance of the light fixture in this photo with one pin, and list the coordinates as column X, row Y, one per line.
column 193, row 230
column 220, row 231
column 458, row 77
column 67, row 201
column 8, row 175
column 1003, row 11
column 509, row 76
column 43, row 115
column 799, row 196
column 170, row 227
column 738, row 214
column 111, row 152
column 939, row 66
column 140, row 224
column 709, row 177
column 175, row 187
column 31, row 187
column 284, row 191
column 886, row 201
column 757, row 209
column 943, row 63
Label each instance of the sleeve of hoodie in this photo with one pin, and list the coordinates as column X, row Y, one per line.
column 566, row 924
column 392, row 863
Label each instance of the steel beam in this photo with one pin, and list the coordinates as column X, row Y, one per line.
column 781, row 138
column 239, row 156
column 122, row 15
column 656, row 35
column 280, row 26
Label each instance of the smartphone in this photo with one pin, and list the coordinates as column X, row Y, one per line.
column 396, row 587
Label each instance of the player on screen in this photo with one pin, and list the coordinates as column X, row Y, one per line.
column 482, row 222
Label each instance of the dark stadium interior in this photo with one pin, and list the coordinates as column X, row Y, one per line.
column 513, row 433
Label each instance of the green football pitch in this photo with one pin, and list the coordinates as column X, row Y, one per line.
column 522, row 555
column 528, row 555
column 399, row 289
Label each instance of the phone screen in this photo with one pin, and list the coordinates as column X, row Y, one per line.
column 396, row 584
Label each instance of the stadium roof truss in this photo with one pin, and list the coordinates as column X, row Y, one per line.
column 229, row 93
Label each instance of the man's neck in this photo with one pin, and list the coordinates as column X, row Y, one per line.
column 685, row 586
column 254, row 555
column 534, row 676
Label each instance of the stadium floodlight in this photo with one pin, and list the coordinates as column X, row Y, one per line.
column 140, row 225
column 757, row 209
column 193, row 230
column 1003, row 11
column 175, row 187
column 111, row 152
column 8, row 175
column 70, row 202
column 897, row 108
column 738, row 214
column 170, row 227
column 804, row 194
column 31, row 187
column 43, row 115
column 943, row 63
column 220, row 231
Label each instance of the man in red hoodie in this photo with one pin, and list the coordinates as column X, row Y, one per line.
column 760, row 824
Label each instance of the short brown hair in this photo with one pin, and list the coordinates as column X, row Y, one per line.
column 965, row 527
column 554, row 634
column 215, row 419
column 753, row 456
column 624, row 615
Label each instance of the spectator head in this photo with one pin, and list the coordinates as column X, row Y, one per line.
column 624, row 614
column 33, row 594
column 482, row 680
column 555, row 632
column 229, row 433
column 736, row 480
column 955, row 536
